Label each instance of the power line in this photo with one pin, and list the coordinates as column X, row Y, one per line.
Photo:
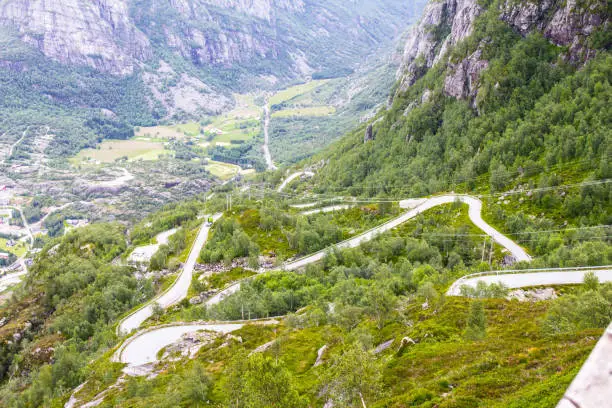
column 514, row 233
column 392, row 200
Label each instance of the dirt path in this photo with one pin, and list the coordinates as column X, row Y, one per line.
column 266, row 149
column 14, row 145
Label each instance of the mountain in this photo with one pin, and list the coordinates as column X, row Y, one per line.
column 99, row 34
column 119, row 36
column 187, row 56
column 504, row 100
column 473, row 101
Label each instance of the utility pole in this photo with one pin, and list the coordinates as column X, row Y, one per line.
column 491, row 254
column 484, row 244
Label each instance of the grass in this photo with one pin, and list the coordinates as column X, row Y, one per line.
column 159, row 133
column 224, row 171
column 294, row 91
column 190, row 129
column 358, row 219
column 350, row 222
column 192, row 234
column 270, row 242
column 306, row 111
column 238, row 125
column 223, row 279
column 19, row 249
column 110, row 150
column 228, row 128
column 515, row 365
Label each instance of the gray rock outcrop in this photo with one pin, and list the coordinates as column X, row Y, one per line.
column 446, row 23
column 369, row 134
column 95, row 33
column 566, row 26
column 462, row 81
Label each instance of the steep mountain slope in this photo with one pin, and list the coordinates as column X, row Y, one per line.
column 99, row 34
column 473, row 107
column 480, row 107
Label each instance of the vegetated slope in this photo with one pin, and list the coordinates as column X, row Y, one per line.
column 390, row 336
column 354, row 98
column 72, row 296
column 74, row 293
column 495, row 97
column 492, row 94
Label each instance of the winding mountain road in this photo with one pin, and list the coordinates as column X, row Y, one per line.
column 15, row 277
column 142, row 348
column 119, row 181
column 14, row 145
column 292, row 177
column 475, row 208
column 331, row 208
column 11, row 279
column 144, row 253
column 177, row 292
column 23, row 219
column 532, row 277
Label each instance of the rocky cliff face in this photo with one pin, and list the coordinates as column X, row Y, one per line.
column 301, row 36
column 96, row 33
column 446, row 23
column 567, row 23
column 115, row 36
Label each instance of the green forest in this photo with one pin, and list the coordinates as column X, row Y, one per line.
column 373, row 325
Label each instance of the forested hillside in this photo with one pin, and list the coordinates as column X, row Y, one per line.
column 507, row 101
column 527, row 112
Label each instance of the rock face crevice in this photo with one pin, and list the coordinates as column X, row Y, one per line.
column 443, row 25
column 462, row 79
column 564, row 23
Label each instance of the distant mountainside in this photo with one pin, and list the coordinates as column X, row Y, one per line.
column 142, row 61
column 491, row 95
column 182, row 48
column 118, row 36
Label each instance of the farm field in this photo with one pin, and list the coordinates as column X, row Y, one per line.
column 238, row 125
column 294, row 91
column 110, row 150
column 224, row 171
column 19, row 249
column 159, row 133
column 306, row 111
column 305, row 100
